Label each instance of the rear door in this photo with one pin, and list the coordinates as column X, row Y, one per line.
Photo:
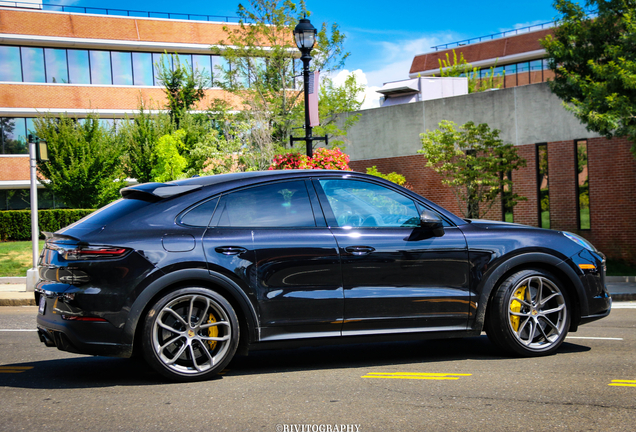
column 275, row 236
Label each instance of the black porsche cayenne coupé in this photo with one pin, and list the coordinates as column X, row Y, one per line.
column 191, row 272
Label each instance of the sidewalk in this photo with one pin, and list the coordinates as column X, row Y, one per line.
column 15, row 294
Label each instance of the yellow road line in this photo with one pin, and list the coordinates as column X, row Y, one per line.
column 414, row 375
column 623, row 383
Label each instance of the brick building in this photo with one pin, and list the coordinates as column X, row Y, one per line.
column 77, row 63
column 574, row 180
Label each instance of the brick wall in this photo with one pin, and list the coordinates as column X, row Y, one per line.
column 612, row 179
column 14, row 168
column 91, row 97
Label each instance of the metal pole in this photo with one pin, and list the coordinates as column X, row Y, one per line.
column 306, row 58
column 34, row 205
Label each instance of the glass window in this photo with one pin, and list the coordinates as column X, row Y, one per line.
column 203, row 64
column 156, row 62
column 219, row 67
column 582, row 185
column 10, row 64
column 536, row 65
column 506, row 205
column 122, row 68
column 276, row 205
column 185, row 60
column 33, row 65
column 100, row 67
column 523, row 67
column 142, row 68
column 361, row 204
column 498, row 71
column 78, row 69
column 56, row 66
column 13, row 136
column 18, row 199
column 201, row 215
column 543, row 185
column 510, row 69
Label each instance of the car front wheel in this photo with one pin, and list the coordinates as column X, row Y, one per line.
column 529, row 314
column 190, row 334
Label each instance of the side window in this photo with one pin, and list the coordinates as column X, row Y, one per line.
column 270, row 206
column 361, row 204
column 200, row 215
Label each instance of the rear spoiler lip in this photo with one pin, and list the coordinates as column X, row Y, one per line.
column 156, row 191
column 53, row 236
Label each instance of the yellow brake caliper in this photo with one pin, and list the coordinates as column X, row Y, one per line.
column 212, row 331
column 515, row 306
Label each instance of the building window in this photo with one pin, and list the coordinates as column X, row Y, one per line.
column 506, row 206
column 33, row 65
column 122, row 68
column 56, row 65
column 142, row 69
column 20, row 199
column 582, row 185
column 78, row 67
column 10, row 64
column 101, row 72
column 13, row 136
column 543, row 185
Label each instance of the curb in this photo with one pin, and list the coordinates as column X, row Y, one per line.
column 17, row 302
column 623, row 297
column 12, row 280
column 620, row 279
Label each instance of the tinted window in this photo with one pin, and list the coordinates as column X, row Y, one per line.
column 200, row 215
column 275, row 205
column 113, row 211
column 361, row 204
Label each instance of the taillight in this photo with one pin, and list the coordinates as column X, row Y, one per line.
column 95, row 252
column 82, row 318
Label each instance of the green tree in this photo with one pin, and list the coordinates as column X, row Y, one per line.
column 593, row 56
column 392, row 177
column 169, row 164
column 461, row 68
column 183, row 86
column 471, row 160
column 261, row 66
column 335, row 101
column 84, row 168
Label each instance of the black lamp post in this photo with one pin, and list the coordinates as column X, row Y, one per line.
column 305, row 35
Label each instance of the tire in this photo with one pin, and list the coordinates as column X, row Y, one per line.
column 190, row 334
column 529, row 314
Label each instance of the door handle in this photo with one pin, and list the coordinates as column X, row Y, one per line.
column 359, row 250
column 230, row 250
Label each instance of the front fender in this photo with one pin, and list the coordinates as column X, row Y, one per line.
column 527, row 260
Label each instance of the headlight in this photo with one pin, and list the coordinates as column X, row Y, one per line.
column 579, row 241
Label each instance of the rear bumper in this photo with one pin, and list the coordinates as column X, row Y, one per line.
column 80, row 337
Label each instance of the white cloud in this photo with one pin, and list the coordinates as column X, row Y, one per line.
column 528, row 24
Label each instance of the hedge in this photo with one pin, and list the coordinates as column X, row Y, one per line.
column 16, row 224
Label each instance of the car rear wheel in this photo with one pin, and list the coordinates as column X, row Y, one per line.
column 190, row 334
column 529, row 314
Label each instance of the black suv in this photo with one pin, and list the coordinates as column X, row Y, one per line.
column 190, row 272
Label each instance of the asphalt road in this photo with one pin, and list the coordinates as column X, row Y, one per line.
column 373, row 387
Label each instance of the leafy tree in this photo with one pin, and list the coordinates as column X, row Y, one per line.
column 139, row 137
column 461, row 68
column 261, row 68
column 471, row 160
column 333, row 102
column 169, row 163
column 392, row 177
column 84, row 168
column 593, row 56
column 183, row 86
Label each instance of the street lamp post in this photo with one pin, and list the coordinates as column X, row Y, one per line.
column 305, row 35
column 38, row 151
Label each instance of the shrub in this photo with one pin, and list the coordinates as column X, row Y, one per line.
column 392, row 177
column 323, row 159
column 16, row 224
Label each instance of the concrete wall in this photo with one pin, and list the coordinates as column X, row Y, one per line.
column 525, row 115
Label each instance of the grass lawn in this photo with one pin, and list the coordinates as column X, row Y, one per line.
column 16, row 258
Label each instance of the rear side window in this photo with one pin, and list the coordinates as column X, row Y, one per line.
column 284, row 204
column 113, row 211
column 200, row 215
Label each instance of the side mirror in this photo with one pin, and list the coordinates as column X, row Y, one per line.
column 432, row 221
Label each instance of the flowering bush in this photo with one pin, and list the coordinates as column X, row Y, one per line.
column 323, row 159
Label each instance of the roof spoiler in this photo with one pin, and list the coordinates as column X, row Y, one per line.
column 156, row 191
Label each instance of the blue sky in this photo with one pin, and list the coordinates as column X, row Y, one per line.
column 382, row 36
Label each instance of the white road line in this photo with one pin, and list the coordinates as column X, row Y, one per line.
column 594, row 338
column 17, row 330
column 624, row 306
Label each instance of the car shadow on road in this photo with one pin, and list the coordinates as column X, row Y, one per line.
column 96, row 372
